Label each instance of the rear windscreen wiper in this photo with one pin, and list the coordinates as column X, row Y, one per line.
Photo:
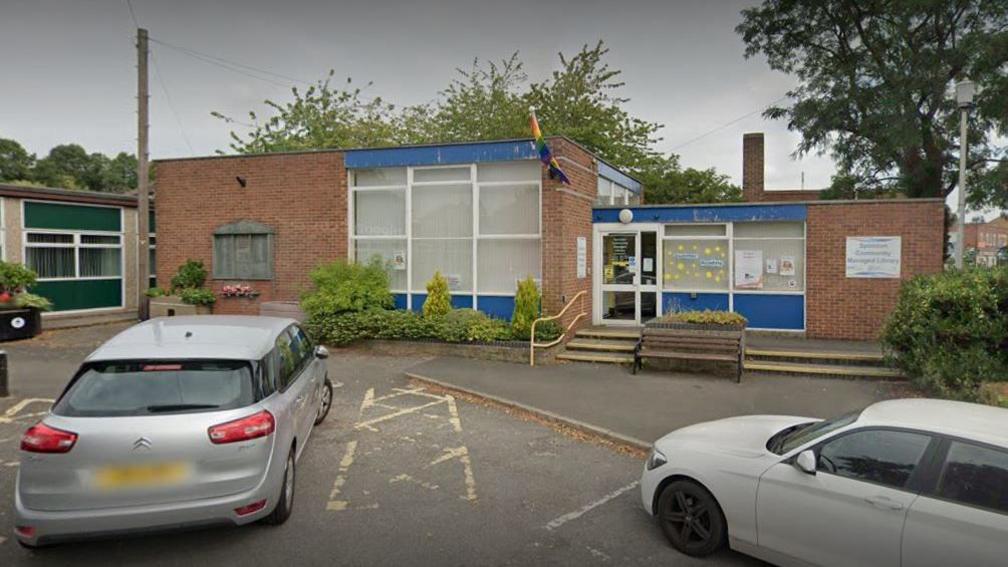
column 180, row 407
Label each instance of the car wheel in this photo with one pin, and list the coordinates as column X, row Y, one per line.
column 285, row 503
column 691, row 518
column 326, row 401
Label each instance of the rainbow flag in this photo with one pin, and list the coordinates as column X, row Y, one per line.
column 545, row 155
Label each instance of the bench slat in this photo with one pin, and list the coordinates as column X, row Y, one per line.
column 689, row 356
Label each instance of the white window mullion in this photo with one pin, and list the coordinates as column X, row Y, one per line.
column 409, row 238
column 475, row 232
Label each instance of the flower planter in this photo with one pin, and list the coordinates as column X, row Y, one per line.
column 18, row 324
column 171, row 305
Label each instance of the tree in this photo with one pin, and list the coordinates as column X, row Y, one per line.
column 876, row 87
column 489, row 101
column 668, row 183
column 15, row 162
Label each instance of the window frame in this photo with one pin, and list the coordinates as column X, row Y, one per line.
column 918, row 479
column 729, row 263
column 804, row 258
column 474, row 238
column 76, row 245
column 937, row 466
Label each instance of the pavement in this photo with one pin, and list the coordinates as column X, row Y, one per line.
column 638, row 409
column 397, row 474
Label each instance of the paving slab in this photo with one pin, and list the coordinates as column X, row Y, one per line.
column 648, row 405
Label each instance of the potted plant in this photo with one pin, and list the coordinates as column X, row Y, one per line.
column 240, row 290
column 20, row 311
column 187, row 296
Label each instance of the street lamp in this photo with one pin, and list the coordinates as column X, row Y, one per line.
column 964, row 97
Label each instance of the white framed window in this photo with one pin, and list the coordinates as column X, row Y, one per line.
column 696, row 257
column 69, row 255
column 779, row 248
column 478, row 224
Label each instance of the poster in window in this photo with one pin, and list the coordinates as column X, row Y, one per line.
column 771, row 265
column 787, row 265
column 399, row 261
column 748, row 269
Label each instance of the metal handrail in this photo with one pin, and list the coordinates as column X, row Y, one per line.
column 532, row 344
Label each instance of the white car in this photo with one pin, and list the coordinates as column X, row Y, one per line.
column 905, row 482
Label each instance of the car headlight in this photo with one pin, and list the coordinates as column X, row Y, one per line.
column 655, row 459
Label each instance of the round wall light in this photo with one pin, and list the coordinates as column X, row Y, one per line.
column 626, row 216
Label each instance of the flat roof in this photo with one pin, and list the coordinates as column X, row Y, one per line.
column 492, row 150
column 67, row 195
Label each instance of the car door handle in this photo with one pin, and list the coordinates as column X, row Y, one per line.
column 884, row 503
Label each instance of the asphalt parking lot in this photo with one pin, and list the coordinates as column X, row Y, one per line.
column 396, row 475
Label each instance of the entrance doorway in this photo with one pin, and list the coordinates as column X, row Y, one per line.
column 628, row 282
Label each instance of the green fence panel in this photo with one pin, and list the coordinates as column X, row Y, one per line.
column 68, row 295
column 71, row 217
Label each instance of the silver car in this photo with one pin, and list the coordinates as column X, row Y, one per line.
column 179, row 421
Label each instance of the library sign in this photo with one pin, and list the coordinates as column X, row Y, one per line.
column 873, row 256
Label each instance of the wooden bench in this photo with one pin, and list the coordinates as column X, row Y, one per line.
column 687, row 344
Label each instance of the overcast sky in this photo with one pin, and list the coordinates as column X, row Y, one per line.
column 68, row 68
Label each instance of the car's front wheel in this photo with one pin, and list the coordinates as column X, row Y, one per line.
column 325, row 401
column 691, row 518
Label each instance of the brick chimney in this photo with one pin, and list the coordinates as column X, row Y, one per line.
column 752, row 167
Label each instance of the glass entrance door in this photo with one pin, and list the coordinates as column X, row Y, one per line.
column 629, row 278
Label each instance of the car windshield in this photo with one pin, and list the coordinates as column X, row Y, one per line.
column 798, row 435
column 125, row 388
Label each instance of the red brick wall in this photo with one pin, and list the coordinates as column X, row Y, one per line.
column 566, row 215
column 301, row 196
column 753, row 175
column 854, row 308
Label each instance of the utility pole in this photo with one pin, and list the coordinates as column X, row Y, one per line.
column 964, row 97
column 143, row 175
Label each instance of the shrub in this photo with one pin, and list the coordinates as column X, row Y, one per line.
column 458, row 325
column 30, row 300
column 705, row 317
column 16, row 277
column 438, row 302
column 465, row 325
column 546, row 331
column 342, row 287
column 197, row 296
column 155, row 292
column 191, row 274
column 949, row 331
column 526, row 309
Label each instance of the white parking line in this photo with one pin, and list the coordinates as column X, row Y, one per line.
column 12, row 412
column 556, row 523
column 344, row 466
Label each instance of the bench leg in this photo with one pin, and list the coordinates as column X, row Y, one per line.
column 636, row 364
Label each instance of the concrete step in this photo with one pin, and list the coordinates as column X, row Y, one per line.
column 607, row 358
column 833, row 370
column 601, row 345
column 612, row 334
column 834, row 358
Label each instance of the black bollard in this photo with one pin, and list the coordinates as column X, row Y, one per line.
column 4, row 392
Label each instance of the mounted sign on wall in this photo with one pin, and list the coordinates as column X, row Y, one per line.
column 873, row 256
column 582, row 257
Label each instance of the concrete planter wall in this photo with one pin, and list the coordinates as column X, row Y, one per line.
column 171, row 305
column 286, row 309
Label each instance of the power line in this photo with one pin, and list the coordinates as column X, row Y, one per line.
column 232, row 65
column 161, row 81
column 171, row 106
column 725, row 125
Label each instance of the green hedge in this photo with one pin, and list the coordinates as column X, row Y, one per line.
column 949, row 332
column 458, row 326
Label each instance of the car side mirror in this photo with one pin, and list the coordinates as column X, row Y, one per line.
column 321, row 352
column 806, row 462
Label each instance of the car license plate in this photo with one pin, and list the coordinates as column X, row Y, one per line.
column 156, row 474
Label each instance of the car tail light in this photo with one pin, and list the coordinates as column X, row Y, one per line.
column 251, row 508
column 40, row 438
column 25, row 531
column 254, row 426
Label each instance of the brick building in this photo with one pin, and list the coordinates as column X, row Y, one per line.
column 987, row 239
column 487, row 214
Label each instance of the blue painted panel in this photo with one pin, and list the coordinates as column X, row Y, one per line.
column 400, row 300
column 418, row 299
column 442, row 154
column 676, row 301
column 494, row 306
column 772, row 311
column 458, row 301
column 706, row 213
column 611, row 173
